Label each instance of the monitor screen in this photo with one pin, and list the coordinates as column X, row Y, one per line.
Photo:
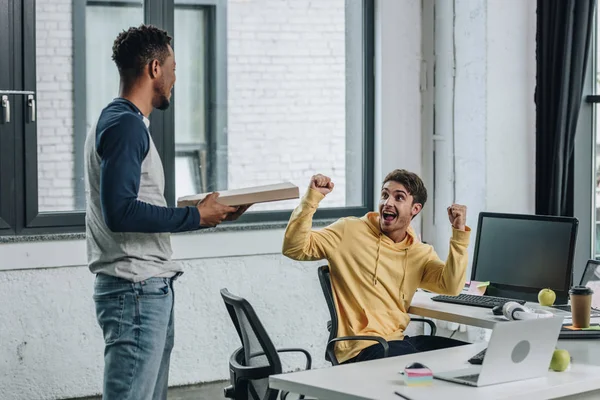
column 525, row 251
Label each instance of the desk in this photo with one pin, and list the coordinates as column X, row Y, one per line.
column 379, row 379
column 481, row 317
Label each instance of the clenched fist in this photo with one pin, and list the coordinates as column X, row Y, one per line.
column 458, row 216
column 322, row 184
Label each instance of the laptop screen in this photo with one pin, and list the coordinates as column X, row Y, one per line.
column 591, row 279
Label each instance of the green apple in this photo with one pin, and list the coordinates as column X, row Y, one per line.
column 560, row 360
column 546, row 297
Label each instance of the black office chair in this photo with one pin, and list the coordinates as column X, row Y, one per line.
column 332, row 325
column 251, row 365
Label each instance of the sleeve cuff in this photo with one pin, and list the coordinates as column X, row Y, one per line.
column 313, row 197
column 195, row 217
column 461, row 236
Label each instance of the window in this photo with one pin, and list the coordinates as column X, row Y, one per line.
column 588, row 152
column 267, row 91
column 595, row 99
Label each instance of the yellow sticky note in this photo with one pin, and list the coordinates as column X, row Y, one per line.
column 483, row 284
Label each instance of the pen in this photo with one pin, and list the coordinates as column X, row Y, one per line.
column 402, row 395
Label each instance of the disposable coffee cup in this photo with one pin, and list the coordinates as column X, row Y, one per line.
column 581, row 306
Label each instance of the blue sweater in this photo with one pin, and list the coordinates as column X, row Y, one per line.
column 122, row 143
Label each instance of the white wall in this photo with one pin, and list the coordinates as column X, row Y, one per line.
column 493, row 118
column 50, row 345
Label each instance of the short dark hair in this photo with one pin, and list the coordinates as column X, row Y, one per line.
column 134, row 48
column 411, row 182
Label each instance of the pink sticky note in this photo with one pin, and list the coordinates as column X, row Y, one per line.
column 477, row 288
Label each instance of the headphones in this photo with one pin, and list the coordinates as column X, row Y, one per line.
column 514, row 311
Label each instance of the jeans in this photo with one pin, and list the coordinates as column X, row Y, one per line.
column 138, row 328
column 409, row 345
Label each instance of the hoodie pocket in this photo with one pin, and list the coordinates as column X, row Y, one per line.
column 384, row 322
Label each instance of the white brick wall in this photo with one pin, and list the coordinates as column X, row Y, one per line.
column 286, row 96
column 54, row 44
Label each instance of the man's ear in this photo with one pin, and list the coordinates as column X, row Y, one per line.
column 416, row 208
column 154, row 69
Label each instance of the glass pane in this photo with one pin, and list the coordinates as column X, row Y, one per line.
column 295, row 100
column 190, row 40
column 60, row 176
column 294, row 97
column 597, row 197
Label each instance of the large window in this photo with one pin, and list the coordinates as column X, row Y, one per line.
column 595, row 98
column 267, row 91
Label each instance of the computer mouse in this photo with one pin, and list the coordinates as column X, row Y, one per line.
column 415, row 365
column 497, row 310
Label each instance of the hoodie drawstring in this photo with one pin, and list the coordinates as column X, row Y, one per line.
column 404, row 275
column 377, row 261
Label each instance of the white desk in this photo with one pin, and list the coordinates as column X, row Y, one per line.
column 475, row 316
column 380, row 378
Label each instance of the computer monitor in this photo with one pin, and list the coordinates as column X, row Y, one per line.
column 521, row 254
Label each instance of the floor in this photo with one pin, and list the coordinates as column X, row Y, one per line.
column 206, row 391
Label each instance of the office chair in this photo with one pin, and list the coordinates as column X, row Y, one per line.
column 251, row 365
column 332, row 325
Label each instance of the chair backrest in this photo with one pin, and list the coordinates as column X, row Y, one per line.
column 258, row 349
column 325, row 280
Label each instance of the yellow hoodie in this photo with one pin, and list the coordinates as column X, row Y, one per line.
column 373, row 279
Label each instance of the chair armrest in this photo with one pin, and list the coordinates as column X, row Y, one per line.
column 377, row 339
column 298, row 350
column 248, row 371
column 428, row 322
column 284, row 394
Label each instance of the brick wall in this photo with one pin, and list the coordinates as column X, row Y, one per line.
column 286, row 96
column 54, row 42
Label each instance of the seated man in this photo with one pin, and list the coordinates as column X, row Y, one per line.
column 376, row 264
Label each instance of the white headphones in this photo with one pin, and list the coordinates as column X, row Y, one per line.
column 514, row 311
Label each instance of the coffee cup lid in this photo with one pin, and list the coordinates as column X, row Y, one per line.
column 580, row 290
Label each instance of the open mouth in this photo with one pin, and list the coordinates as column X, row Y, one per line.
column 388, row 216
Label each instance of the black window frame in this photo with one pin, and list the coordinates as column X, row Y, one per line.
column 19, row 210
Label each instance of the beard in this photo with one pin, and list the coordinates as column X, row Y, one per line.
column 163, row 103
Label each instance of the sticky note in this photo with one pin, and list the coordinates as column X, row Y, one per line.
column 477, row 288
column 591, row 328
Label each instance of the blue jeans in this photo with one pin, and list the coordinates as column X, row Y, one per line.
column 138, row 328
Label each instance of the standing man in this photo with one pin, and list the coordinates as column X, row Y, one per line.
column 377, row 263
column 128, row 223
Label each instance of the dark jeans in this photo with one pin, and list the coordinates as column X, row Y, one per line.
column 410, row 345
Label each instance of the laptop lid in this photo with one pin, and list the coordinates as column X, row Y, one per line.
column 591, row 279
column 520, row 350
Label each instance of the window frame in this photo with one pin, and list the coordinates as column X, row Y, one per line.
column 20, row 215
column 585, row 164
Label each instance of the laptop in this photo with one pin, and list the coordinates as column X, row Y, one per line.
column 517, row 350
column 591, row 279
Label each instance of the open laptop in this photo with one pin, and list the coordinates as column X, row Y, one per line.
column 517, row 350
column 591, row 279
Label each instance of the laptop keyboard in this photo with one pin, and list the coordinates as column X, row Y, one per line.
column 477, row 359
column 477, row 301
column 469, row 378
column 565, row 307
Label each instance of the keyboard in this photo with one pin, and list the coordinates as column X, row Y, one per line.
column 469, row 378
column 476, row 301
column 477, row 359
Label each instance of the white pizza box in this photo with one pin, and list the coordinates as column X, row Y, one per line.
column 248, row 195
